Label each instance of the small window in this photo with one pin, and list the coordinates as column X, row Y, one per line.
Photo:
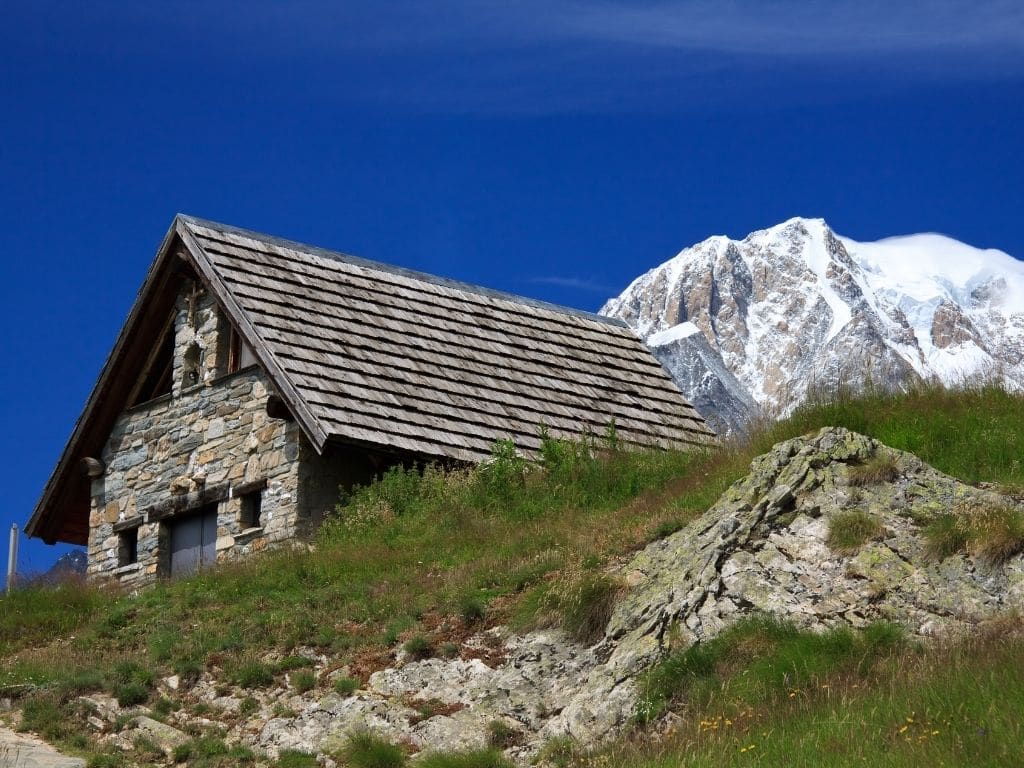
column 251, row 509
column 128, row 547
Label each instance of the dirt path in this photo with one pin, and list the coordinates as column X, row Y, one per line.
column 20, row 750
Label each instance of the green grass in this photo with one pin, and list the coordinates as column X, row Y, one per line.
column 367, row 750
column 993, row 534
column 850, row 530
column 483, row 758
column 756, row 660
column 954, row 706
column 346, row 686
column 33, row 615
column 492, row 544
column 303, row 680
column 879, row 469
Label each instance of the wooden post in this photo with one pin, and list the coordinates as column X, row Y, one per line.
column 12, row 558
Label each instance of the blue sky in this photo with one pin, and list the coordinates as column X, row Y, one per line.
column 553, row 149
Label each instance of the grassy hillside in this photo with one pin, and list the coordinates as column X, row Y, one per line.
column 424, row 559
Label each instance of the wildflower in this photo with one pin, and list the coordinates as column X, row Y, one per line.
column 904, row 729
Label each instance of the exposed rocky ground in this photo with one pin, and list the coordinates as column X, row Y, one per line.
column 762, row 547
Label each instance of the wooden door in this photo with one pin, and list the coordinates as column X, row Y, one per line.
column 194, row 541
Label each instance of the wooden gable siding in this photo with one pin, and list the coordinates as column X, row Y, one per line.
column 386, row 357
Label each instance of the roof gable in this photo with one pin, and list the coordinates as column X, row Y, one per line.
column 367, row 353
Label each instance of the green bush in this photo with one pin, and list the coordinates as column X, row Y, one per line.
column 367, row 750
column 248, row 706
column 303, row 680
column 130, row 683
column 46, row 715
column 252, row 674
column 108, row 760
column 418, row 648
column 288, row 663
column 346, row 686
column 471, row 609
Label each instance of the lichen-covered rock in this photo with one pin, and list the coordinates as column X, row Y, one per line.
column 761, row 547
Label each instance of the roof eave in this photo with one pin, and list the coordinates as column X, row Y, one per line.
column 36, row 526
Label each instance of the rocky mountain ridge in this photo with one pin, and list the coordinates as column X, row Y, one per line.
column 797, row 307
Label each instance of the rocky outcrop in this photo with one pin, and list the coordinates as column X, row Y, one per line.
column 761, row 547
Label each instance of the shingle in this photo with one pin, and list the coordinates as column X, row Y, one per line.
column 390, row 357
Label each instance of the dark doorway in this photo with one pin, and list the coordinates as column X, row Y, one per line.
column 194, row 541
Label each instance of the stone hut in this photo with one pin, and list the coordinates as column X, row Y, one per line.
column 254, row 377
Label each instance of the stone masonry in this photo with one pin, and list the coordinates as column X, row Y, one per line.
column 194, row 446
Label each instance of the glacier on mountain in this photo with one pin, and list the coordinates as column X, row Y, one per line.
column 796, row 308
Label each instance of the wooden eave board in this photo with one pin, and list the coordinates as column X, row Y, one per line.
column 381, row 356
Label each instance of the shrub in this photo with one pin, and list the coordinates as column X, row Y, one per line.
column 82, row 681
column 189, row 670
column 182, row 753
column 130, row 683
column 849, row 530
column 209, row 746
column 303, row 680
column 418, row 648
column 288, row 663
column 366, row 750
column 471, row 609
column 346, row 686
column 44, row 714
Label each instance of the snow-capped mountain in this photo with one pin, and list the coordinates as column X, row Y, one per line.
column 797, row 306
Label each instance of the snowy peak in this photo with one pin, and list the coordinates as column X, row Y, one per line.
column 796, row 306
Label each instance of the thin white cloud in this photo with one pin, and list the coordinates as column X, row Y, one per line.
column 551, row 56
column 576, row 283
column 796, row 28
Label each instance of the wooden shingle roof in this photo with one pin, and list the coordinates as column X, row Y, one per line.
column 366, row 353
column 409, row 361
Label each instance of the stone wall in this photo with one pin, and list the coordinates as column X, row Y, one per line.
column 194, row 446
